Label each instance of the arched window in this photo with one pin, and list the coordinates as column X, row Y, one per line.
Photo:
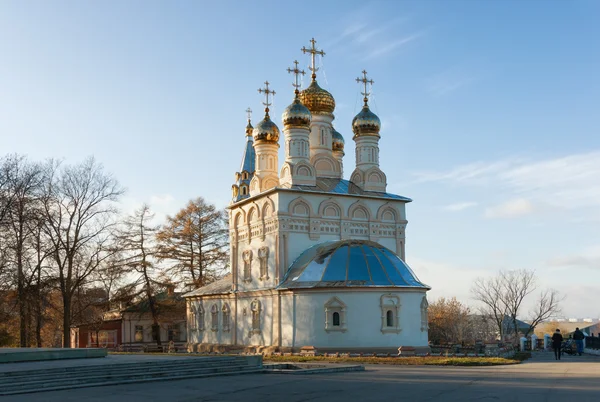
column 214, row 312
column 389, row 318
column 336, row 319
column 335, row 315
column 390, row 314
column 255, row 307
column 424, row 318
column 200, row 318
column 226, row 314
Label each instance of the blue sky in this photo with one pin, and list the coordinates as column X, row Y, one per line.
column 490, row 113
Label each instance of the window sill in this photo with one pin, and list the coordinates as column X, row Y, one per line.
column 342, row 329
column 390, row 330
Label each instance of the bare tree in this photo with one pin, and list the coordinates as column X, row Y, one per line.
column 136, row 241
column 79, row 210
column 546, row 307
column 195, row 242
column 489, row 292
column 502, row 297
column 22, row 222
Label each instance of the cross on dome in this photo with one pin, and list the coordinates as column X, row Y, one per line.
column 297, row 74
column 267, row 92
column 365, row 81
column 313, row 53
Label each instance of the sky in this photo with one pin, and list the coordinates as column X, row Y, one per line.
column 490, row 113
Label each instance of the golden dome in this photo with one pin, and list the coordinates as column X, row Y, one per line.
column 317, row 100
column 266, row 131
column 296, row 115
column 366, row 123
column 337, row 141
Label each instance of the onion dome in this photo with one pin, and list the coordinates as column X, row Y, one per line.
column 296, row 115
column 317, row 100
column 349, row 263
column 337, row 141
column 266, row 131
column 366, row 123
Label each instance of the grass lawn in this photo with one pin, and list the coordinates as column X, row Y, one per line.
column 404, row 361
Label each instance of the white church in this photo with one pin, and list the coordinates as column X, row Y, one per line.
column 316, row 260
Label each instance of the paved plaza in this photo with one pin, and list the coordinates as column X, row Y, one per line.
column 539, row 379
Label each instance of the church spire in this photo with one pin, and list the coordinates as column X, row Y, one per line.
column 241, row 188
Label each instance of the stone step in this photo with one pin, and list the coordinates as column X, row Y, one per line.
column 138, row 365
column 116, row 370
column 104, row 380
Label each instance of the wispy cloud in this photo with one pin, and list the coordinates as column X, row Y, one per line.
column 570, row 182
column 460, row 206
column 373, row 41
column 449, row 81
column 510, row 209
column 389, row 47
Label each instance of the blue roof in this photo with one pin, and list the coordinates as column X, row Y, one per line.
column 342, row 186
column 249, row 157
column 349, row 263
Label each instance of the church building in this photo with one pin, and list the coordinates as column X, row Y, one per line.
column 316, row 260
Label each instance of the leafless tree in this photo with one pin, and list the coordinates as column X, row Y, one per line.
column 80, row 208
column 489, row 292
column 195, row 242
column 502, row 297
column 137, row 242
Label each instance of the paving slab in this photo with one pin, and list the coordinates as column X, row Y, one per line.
column 540, row 379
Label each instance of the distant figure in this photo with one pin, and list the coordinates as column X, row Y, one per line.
column 556, row 343
column 579, row 337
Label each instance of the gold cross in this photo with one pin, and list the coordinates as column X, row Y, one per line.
column 313, row 52
column 267, row 92
column 249, row 113
column 365, row 81
column 297, row 73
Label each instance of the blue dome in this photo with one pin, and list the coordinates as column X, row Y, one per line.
column 349, row 263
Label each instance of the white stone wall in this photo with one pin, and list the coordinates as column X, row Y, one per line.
column 303, row 320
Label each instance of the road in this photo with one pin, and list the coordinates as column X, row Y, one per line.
column 539, row 379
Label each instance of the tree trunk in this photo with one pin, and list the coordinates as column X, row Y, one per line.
column 66, row 321
column 21, row 297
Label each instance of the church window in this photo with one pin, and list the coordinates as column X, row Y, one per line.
column 424, row 314
column 226, row 317
column 244, row 190
column 193, row 317
column 390, row 310
column 173, row 333
column 214, row 312
column 322, row 137
column 245, row 176
column 255, row 307
column 263, row 258
column 335, row 316
column 247, row 257
column 336, row 319
column 200, row 318
column 139, row 333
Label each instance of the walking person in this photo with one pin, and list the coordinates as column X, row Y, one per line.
column 557, row 343
column 579, row 337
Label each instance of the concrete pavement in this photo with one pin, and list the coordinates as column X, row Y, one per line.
column 539, row 379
